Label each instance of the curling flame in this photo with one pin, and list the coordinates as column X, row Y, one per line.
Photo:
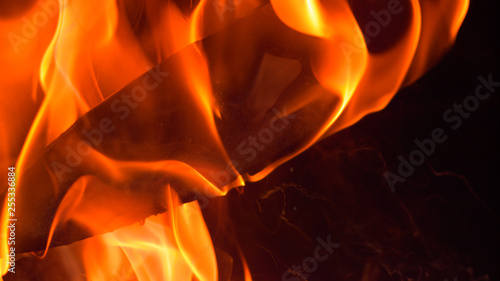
column 305, row 16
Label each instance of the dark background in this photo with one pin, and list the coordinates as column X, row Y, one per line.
column 441, row 223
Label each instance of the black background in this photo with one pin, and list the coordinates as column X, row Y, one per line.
column 441, row 223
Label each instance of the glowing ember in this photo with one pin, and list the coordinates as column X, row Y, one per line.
column 128, row 109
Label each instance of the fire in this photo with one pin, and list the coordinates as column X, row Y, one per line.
column 134, row 108
column 175, row 245
column 172, row 246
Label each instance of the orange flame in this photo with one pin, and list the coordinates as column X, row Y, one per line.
column 172, row 246
column 79, row 54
